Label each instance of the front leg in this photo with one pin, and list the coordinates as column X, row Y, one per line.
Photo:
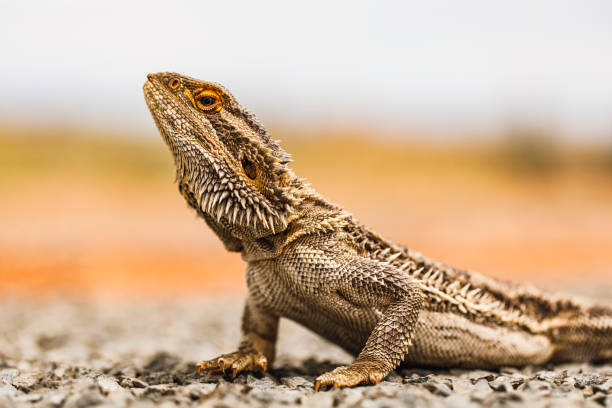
column 257, row 346
column 388, row 343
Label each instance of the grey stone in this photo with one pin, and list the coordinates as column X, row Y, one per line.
column 285, row 397
column 129, row 382
column 462, row 385
column 319, row 399
column 55, row 399
column 582, row 380
column 24, row 382
column 476, row 375
column 438, row 388
column 198, row 390
column 296, row 382
column 141, row 357
column 264, row 382
column 384, row 402
column 460, row 401
column 588, row 391
column 108, row 385
column 394, row 377
column 546, row 375
column 8, row 374
column 138, row 392
column 8, row 391
column 129, row 371
column 417, row 379
column 83, row 400
column 160, row 389
column 502, row 399
column 350, row 396
column 378, row 392
column 30, row 398
column 604, row 387
column 481, row 390
column 501, row 384
column 539, row 385
column 599, row 399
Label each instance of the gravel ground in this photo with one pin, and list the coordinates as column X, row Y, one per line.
column 66, row 353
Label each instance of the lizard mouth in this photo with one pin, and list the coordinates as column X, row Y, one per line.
column 181, row 130
column 192, row 144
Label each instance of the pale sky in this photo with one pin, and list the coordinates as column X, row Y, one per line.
column 426, row 64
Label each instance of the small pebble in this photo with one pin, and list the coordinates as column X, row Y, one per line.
column 143, row 355
column 24, row 382
column 265, row 382
column 438, row 389
column 481, row 390
column 501, row 384
column 129, row 382
column 604, row 387
column 55, row 399
column 160, row 389
column 8, row 374
column 8, row 391
column 108, row 385
column 295, row 382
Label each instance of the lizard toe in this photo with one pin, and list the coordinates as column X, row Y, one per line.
column 341, row 377
column 236, row 362
column 350, row 376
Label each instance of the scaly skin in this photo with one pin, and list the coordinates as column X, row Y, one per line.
column 310, row 261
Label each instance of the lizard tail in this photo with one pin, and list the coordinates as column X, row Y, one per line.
column 583, row 336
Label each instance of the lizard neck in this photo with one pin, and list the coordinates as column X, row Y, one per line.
column 317, row 216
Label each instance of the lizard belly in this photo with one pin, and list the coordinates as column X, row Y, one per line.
column 439, row 339
column 328, row 314
column 451, row 340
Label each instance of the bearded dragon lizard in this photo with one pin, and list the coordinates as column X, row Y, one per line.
column 311, row 261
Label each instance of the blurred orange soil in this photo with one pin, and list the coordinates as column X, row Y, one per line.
column 94, row 217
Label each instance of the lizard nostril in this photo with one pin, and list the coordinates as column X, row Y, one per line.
column 174, row 83
column 150, row 77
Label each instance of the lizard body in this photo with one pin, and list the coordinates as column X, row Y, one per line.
column 311, row 261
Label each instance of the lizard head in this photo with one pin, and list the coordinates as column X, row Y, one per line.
column 227, row 165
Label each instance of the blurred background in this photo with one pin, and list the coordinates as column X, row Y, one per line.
column 477, row 132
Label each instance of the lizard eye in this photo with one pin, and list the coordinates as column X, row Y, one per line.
column 249, row 168
column 174, row 83
column 208, row 100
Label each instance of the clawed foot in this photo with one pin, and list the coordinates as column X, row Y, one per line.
column 363, row 372
column 236, row 362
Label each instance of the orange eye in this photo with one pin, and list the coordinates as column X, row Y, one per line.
column 174, row 83
column 208, row 100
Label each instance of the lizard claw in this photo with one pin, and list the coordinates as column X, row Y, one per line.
column 358, row 373
column 222, row 364
column 262, row 363
column 238, row 361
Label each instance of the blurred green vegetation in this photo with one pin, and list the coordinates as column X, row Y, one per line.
column 531, row 151
column 32, row 153
column 528, row 152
